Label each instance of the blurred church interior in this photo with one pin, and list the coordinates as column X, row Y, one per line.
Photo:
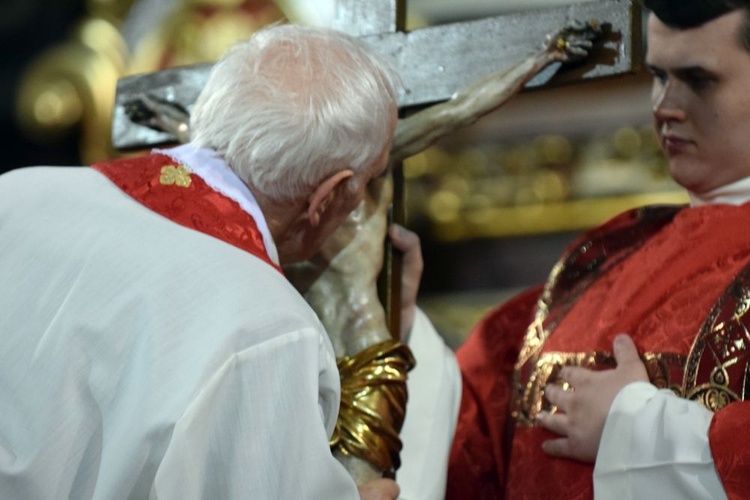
column 494, row 204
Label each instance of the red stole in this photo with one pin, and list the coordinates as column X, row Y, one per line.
column 171, row 190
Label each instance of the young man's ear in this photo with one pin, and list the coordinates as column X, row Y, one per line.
column 324, row 194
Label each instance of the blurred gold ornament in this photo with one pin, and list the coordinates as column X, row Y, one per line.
column 73, row 85
column 70, row 88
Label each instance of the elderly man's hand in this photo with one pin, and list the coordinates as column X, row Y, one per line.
column 379, row 489
column 583, row 408
column 408, row 242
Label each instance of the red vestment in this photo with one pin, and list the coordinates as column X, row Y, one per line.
column 171, row 190
column 673, row 279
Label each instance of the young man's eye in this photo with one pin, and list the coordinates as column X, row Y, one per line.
column 659, row 76
column 701, row 83
column 698, row 81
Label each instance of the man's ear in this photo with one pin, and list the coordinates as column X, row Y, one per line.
column 324, row 194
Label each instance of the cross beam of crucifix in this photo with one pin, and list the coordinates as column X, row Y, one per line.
column 434, row 62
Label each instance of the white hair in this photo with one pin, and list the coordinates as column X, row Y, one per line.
column 293, row 105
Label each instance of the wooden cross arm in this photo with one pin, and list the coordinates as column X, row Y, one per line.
column 434, row 62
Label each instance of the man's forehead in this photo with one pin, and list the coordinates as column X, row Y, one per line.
column 701, row 46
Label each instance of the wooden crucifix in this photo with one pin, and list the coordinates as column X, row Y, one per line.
column 445, row 63
column 434, row 63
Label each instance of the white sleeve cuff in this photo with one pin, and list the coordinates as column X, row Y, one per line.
column 655, row 445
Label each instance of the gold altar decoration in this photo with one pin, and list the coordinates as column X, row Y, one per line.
column 200, row 31
column 373, row 404
column 70, row 89
column 537, row 185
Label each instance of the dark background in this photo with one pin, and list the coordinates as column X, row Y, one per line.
column 27, row 27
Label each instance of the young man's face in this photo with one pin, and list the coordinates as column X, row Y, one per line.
column 701, row 100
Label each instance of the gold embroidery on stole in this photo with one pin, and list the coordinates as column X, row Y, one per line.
column 175, row 175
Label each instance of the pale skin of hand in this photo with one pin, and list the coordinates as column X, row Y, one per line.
column 379, row 489
column 582, row 411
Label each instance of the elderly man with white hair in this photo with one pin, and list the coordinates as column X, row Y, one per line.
column 151, row 345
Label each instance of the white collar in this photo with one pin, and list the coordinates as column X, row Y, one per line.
column 734, row 193
column 209, row 166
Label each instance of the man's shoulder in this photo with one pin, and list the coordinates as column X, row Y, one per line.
column 38, row 172
column 48, row 185
column 618, row 235
column 41, row 176
column 635, row 219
